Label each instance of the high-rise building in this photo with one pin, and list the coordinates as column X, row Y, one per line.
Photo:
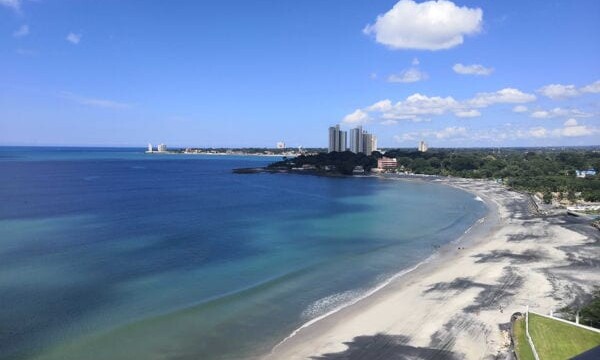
column 161, row 148
column 149, row 147
column 422, row 146
column 281, row 145
column 356, row 140
column 337, row 139
column 369, row 143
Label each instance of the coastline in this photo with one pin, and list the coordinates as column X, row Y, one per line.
column 457, row 303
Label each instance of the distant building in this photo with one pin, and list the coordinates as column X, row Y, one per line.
column 585, row 173
column 369, row 143
column 362, row 142
column 386, row 163
column 149, row 147
column 161, row 148
column 356, row 140
column 422, row 146
column 281, row 145
column 337, row 139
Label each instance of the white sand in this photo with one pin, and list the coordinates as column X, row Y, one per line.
column 459, row 304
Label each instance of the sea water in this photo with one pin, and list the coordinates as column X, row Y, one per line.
column 117, row 254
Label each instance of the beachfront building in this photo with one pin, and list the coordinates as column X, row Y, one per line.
column 356, row 140
column 161, row 148
column 369, row 143
column 149, row 147
column 337, row 139
column 362, row 142
column 386, row 163
column 422, row 146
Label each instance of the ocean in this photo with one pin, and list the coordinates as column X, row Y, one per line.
column 116, row 254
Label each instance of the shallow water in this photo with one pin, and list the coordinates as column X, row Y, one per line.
column 112, row 253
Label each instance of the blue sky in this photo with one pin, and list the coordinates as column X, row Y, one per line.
column 251, row 73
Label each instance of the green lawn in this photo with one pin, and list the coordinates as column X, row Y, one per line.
column 521, row 345
column 555, row 340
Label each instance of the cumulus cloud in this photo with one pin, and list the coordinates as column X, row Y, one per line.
column 558, row 91
column 417, row 107
column 430, row 25
column 22, row 31
column 571, row 122
column 571, row 128
column 408, row 76
column 467, row 113
column 558, row 112
column 73, row 38
column 95, row 102
column 356, row 118
column 520, row 109
column 506, row 96
column 415, row 62
column 474, row 69
column 592, row 88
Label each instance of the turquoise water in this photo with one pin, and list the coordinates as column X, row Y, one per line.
column 115, row 254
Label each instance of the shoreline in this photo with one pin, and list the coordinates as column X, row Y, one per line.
column 405, row 315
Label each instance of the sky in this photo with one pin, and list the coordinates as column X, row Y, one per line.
column 247, row 73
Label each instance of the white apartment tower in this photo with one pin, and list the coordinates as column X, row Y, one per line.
column 161, row 148
column 337, row 139
column 149, row 147
column 356, row 140
column 422, row 146
column 362, row 142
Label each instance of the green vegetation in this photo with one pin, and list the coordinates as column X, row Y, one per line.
column 589, row 314
column 550, row 172
column 522, row 347
column 554, row 339
column 543, row 170
column 335, row 162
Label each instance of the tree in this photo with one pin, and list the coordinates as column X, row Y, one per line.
column 547, row 197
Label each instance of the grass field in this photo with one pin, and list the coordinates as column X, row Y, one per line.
column 521, row 346
column 555, row 340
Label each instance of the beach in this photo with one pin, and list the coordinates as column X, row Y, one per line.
column 458, row 303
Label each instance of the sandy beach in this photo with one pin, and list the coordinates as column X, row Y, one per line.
column 458, row 304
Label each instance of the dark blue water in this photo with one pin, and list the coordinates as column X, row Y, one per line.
column 116, row 254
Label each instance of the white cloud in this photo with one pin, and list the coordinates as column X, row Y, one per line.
column 73, row 38
column 415, row 62
column 430, row 25
column 504, row 96
column 558, row 112
column 520, row 109
column 467, row 113
column 450, row 133
column 571, row 128
column 13, row 4
column 574, row 131
column 408, row 76
column 538, row 132
column 94, row 102
column 22, row 31
column 382, row 106
column 417, row 107
column 591, row 88
column 389, row 122
column 357, row 117
column 558, row 91
column 475, row 69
